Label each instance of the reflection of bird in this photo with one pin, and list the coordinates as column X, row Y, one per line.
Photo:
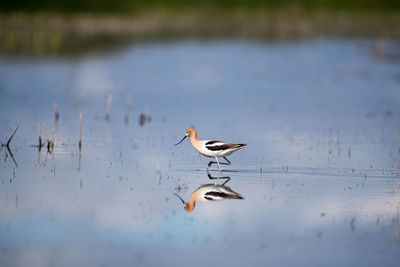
column 212, row 149
column 209, row 192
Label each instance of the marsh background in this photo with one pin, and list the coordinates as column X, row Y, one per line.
column 312, row 87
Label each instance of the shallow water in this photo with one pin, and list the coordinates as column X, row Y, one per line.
column 320, row 176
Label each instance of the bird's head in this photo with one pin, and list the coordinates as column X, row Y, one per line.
column 187, row 206
column 190, row 132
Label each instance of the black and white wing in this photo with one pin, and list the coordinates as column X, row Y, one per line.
column 220, row 192
column 219, row 145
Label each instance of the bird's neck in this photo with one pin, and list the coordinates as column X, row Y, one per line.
column 193, row 139
column 192, row 200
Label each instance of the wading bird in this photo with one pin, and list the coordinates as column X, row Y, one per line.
column 211, row 149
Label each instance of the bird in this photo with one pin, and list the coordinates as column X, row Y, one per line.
column 209, row 192
column 212, row 149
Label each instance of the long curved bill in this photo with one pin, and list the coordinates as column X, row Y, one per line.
column 179, row 198
column 180, row 141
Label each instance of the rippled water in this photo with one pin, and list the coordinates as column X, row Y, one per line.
column 320, row 176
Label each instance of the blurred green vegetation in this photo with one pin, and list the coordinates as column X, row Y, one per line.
column 132, row 6
column 41, row 27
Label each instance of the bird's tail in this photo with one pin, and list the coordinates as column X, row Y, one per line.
column 240, row 145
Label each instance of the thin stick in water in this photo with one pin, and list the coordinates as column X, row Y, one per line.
column 127, row 118
column 11, row 137
column 80, row 130
column 45, row 130
column 12, row 156
column 398, row 138
column 79, row 160
column 56, row 114
column 80, row 143
column 46, row 136
column 129, row 108
column 142, row 119
column 40, row 136
column 108, row 106
column 53, row 131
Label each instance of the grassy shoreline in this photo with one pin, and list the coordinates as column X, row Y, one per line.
column 44, row 33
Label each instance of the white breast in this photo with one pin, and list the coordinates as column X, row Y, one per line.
column 201, row 148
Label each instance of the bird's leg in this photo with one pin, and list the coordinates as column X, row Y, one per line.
column 227, row 180
column 227, row 161
column 222, row 177
column 214, row 162
column 209, row 165
column 219, row 167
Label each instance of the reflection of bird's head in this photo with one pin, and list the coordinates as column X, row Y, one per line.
column 187, row 206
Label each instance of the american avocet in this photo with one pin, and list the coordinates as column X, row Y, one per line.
column 209, row 192
column 212, row 149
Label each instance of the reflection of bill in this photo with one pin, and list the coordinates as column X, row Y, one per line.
column 210, row 192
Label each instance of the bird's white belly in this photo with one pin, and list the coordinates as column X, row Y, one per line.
column 201, row 148
column 211, row 154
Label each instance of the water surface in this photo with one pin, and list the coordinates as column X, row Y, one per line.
column 320, row 175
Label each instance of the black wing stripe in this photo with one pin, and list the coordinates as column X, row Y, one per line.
column 212, row 142
column 224, row 147
column 211, row 194
column 216, row 194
